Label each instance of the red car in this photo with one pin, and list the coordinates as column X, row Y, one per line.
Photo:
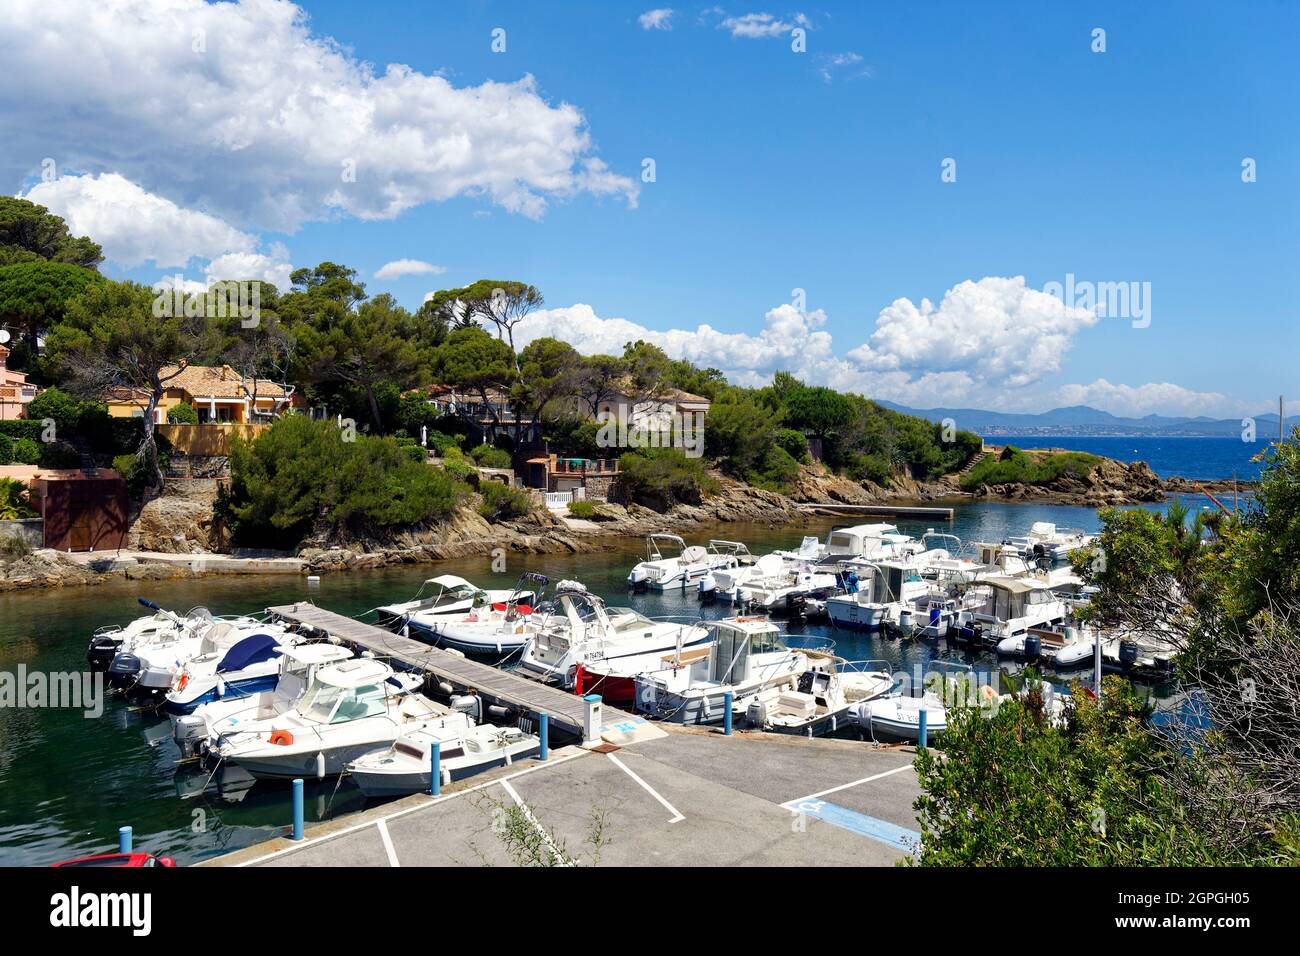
column 120, row 859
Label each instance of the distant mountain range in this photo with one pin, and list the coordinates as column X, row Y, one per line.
column 1085, row 420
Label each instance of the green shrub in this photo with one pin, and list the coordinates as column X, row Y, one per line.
column 488, row 457
column 459, row 466
column 300, row 476
column 793, row 443
column 183, row 414
column 776, row 471
column 664, row 476
column 15, row 501
column 27, row 452
column 59, row 454
column 582, row 509
column 502, row 502
column 14, row 546
column 21, row 428
column 1014, row 465
column 6, row 450
column 135, row 471
column 415, row 453
column 65, row 411
column 441, row 443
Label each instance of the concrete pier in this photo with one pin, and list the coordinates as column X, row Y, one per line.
column 883, row 511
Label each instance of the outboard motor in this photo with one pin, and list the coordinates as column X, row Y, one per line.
column 191, row 735
column 1128, row 653
column 123, row 672
column 637, row 579
column 708, row 588
column 796, row 605
column 470, row 705
column 101, row 652
column 1033, row 647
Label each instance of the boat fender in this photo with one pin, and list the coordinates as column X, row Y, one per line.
column 221, row 688
column 498, row 712
column 281, row 738
column 445, row 688
column 320, row 765
column 756, row 714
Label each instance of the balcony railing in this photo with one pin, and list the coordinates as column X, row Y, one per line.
column 585, row 467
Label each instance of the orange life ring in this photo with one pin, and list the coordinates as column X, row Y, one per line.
column 281, row 737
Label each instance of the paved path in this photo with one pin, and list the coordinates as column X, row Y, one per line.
column 686, row 799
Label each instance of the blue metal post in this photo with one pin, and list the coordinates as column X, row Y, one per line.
column 297, row 808
column 435, row 769
column 921, row 729
column 544, row 735
column 124, row 840
column 727, row 700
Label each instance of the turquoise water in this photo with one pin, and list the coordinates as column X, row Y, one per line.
column 1206, row 458
column 67, row 782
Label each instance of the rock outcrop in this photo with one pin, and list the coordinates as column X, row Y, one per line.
column 179, row 521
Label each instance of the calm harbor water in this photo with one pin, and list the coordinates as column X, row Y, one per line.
column 68, row 782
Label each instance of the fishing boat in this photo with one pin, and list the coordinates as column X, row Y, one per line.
column 249, row 666
column 196, row 731
column 576, row 630
column 348, row 710
column 746, row 656
column 448, row 594
column 821, row 699
column 496, row 629
column 671, row 563
column 463, row 750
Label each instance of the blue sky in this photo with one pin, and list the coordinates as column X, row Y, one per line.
column 775, row 170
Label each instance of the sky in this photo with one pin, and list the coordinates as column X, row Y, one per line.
column 921, row 202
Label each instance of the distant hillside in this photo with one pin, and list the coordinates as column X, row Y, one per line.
column 1085, row 420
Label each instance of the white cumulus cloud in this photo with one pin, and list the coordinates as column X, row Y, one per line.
column 757, row 26
column 135, row 226
column 399, row 268
column 240, row 109
column 660, row 18
column 1153, row 398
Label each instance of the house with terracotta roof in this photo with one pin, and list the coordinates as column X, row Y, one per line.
column 658, row 408
column 218, row 393
column 15, row 390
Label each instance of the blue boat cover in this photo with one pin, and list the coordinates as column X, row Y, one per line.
column 251, row 650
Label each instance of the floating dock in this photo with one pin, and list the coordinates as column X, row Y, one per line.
column 567, row 712
column 884, row 511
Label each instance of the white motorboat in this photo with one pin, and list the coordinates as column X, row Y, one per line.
column 1045, row 540
column 496, row 629
column 463, row 750
column 671, row 563
column 787, row 590
column 348, row 710
column 197, row 731
column 1143, row 654
column 821, row 699
column 576, row 631
column 162, row 625
column 899, row 718
column 247, row 667
column 726, row 582
column 448, row 594
column 1013, row 606
column 1063, row 647
column 883, row 590
column 866, row 542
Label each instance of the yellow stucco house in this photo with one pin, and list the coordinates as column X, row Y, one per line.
column 218, row 393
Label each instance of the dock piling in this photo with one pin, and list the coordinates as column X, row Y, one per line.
column 124, row 840
column 544, row 735
column 297, row 808
column 727, row 700
column 921, row 729
column 435, row 769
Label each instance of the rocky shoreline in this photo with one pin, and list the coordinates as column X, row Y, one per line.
column 180, row 522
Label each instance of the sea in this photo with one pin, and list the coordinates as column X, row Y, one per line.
column 1186, row 457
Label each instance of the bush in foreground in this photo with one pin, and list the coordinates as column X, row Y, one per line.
column 501, row 502
column 661, row 477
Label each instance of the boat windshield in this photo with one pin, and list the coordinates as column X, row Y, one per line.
column 329, row 704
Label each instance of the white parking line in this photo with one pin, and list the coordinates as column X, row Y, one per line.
column 423, row 805
column 846, row 786
column 677, row 816
column 382, row 827
column 560, row 858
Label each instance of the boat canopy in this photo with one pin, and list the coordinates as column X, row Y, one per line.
column 249, row 651
column 450, row 582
